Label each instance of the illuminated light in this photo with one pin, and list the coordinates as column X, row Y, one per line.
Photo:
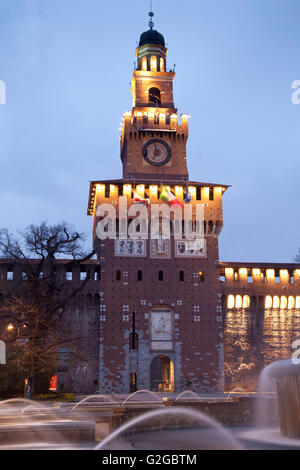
column 140, row 189
column 229, row 272
column 243, row 272
column 10, row 327
column 283, row 302
column 206, row 192
column 291, row 302
column 112, row 189
column 138, row 114
column 100, row 188
column 269, row 302
column 218, row 190
column 256, row 272
column 238, row 301
column 162, row 116
column 162, row 64
column 127, row 114
column 270, row 275
column 297, row 302
column 192, row 190
column 179, row 191
column 284, row 274
column 127, row 190
column 151, row 115
column 153, row 190
column 153, row 63
column 276, row 301
column 246, row 301
column 173, row 116
column 185, row 116
column 144, row 63
column 230, row 301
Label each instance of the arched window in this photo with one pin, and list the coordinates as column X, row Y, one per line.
column 144, row 63
column 89, row 300
column 118, row 275
column 154, row 95
column 140, row 275
column 160, row 275
column 162, row 64
column 132, row 382
column 153, row 63
column 97, row 301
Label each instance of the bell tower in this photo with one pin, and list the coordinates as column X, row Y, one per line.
column 160, row 302
column 153, row 142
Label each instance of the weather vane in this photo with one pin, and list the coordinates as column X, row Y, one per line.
column 151, row 14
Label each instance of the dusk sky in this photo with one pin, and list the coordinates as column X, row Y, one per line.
column 67, row 66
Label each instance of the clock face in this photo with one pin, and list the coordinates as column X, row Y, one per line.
column 157, row 152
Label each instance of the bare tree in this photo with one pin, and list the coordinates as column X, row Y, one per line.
column 36, row 307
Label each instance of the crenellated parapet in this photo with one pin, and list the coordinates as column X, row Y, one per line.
column 259, row 286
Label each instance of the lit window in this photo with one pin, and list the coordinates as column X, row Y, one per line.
column 291, row 303
column 246, row 301
column 196, row 308
column 283, row 302
column 102, row 308
column 144, row 63
column 102, row 317
column 268, row 302
column 238, row 301
column 230, row 302
column 125, row 308
column 153, row 63
column 276, row 301
column 125, row 317
column 197, row 318
column 162, row 64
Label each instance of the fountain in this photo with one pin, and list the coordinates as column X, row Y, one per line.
column 172, row 428
column 143, row 398
column 278, row 407
column 28, row 424
column 287, row 376
column 187, row 395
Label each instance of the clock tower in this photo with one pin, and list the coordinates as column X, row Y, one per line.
column 153, row 142
column 160, row 302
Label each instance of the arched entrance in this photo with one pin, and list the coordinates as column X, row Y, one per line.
column 162, row 374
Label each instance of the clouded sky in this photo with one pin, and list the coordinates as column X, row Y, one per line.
column 67, row 65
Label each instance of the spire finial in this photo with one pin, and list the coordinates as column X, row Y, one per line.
column 151, row 14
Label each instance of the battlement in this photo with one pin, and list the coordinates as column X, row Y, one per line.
column 259, row 286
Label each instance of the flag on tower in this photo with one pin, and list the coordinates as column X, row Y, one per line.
column 139, row 199
column 188, row 196
column 173, row 201
column 166, row 195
